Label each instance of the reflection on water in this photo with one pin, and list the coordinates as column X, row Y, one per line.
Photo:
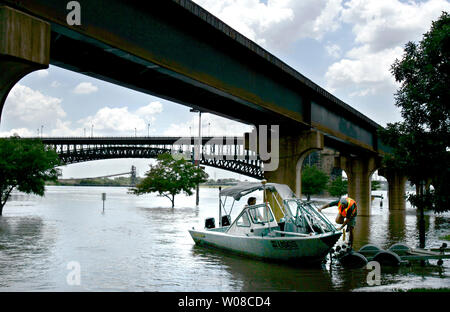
column 24, row 249
column 267, row 276
column 139, row 244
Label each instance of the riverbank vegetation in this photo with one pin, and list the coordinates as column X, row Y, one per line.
column 170, row 177
column 25, row 165
column 314, row 181
column 119, row 181
column 421, row 142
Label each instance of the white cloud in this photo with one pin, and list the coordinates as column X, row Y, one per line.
column 381, row 29
column 55, row 84
column 149, row 110
column 27, row 107
column 26, row 110
column 22, row 132
column 85, row 88
column 64, row 129
column 42, row 73
column 278, row 23
column 361, row 67
column 114, row 120
column 388, row 24
column 121, row 121
column 333, row 50
column 212, row 125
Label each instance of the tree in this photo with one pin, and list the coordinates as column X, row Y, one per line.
column 170, row 177
column 338, row 187
column 421, row 142
column 25, row 165
column 314, row 181
column 375, row 185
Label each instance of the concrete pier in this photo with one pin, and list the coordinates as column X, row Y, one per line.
column 396, row 188
column 292, row 153
column 359, row 170
column 24, row 47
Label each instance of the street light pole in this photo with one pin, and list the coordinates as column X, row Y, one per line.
column 197, row 154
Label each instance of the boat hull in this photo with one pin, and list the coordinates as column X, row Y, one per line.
column 311, row 249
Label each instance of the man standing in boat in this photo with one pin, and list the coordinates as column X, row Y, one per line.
column 346, row 216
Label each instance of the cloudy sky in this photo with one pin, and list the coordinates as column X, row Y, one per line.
column 346, row 47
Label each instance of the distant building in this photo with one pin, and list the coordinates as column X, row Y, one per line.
column 324, row 160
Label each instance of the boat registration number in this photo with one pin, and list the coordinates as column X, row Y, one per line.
column 278, row 244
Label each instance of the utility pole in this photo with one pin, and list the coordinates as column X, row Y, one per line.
column 92, row 131
column 198, row 149
column 148, row 130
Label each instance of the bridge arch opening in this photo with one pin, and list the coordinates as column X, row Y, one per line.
column 323, row 159
column 377, row 185
column 302, row 160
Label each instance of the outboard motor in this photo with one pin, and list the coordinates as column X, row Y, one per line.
column 226, row 220
column 210, row 223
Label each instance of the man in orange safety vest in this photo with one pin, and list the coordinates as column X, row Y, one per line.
column 347, row 211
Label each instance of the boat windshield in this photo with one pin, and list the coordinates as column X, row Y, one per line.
column 307, row 217
column 258, row 214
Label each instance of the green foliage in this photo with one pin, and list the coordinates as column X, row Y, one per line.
column 170, row 177
column 375, row 185
column 338, row 187
column 421, row 143
column 25, row 165
column 314, row 181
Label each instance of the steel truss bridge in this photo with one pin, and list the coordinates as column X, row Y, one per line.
column 226, row 153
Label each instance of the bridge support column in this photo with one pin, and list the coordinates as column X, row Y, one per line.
column 358, row 170
column 292, row 151
column 396, row 188
column 24, row 47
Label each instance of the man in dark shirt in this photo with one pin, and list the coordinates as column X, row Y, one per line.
column 346, row 216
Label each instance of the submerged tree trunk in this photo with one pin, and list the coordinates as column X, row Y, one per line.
column 3, row 203
column 422, row 229
column 173, row 201
column 421, row 220
column 4, row 199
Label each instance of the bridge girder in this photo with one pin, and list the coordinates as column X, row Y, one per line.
column 246, row 165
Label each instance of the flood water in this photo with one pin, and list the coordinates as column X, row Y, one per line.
column 140, row 244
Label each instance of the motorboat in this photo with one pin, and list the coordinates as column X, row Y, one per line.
column 282, row 228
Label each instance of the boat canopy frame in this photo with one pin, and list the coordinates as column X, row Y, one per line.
column 286, row 195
